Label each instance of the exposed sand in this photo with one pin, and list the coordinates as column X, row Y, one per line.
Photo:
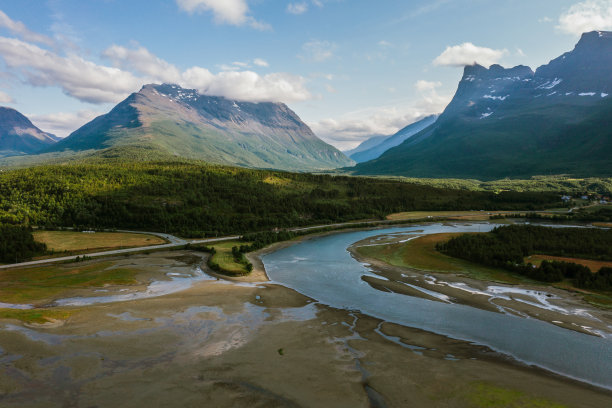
column 239, row 344
column 557, row 306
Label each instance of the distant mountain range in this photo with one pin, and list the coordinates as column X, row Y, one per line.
column 518, row 123
column 170, row 120
column 375, row 146
column 18, row 136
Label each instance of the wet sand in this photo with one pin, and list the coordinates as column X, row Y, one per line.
column 557, row 306
column 240, row 344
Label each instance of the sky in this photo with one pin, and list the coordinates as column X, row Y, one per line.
column 350, row 69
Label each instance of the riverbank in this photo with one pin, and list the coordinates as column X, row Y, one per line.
column 225, row 344
column 518, row 297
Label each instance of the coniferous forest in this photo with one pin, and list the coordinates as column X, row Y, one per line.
column 507, row 247
column 198, row 200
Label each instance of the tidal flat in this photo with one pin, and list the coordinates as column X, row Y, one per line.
column 252, row 343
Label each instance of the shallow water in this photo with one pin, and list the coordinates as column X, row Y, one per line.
column 324, row 270
column 177, row 282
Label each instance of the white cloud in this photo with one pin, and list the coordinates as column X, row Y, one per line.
column 5, row 98
column 469, row 54
column 93, row 83
column 261, row 62
column 318, row 51
column 19, row 29
column 234, row 12
column 586, row 16
column 63, row 123
column 385, row 44
column 77, row 77
column 143, row 61
column 248, row 85
column 427, row 86
column 353, row 128
column 297, row 8
column 545, row 19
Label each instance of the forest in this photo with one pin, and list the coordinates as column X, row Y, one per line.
column 507, row 247
column 197, row 200
column 17, row 244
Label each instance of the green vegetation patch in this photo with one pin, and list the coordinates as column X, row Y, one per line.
column 195, row 199
column 483, row 395
column 40, row 316
column 225, row 260
column 77, row 241
column 421, row 253
column 46, row 283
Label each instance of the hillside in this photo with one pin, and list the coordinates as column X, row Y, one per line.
column 19, row 136
column 518, row 123
column 167, row 120
column 398, row 138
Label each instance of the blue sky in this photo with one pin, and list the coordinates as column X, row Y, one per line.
column 349, row 68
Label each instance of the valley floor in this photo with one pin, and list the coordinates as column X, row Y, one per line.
column 221, row 343
column 191, row 339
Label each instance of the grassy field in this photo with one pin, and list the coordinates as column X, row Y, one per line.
column 484, row 395
column 594, row 266
column 454, row 215
column 46, row 283
column 421, row 253
column 35, row 315
column 71, row 241
column 225, row 259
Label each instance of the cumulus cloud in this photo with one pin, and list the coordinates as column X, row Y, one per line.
column 134, row 67
column 81, row 79
column 297, row 8
column 19, row 29
column 586, row 16
column 5, row 98
column 234, row 12
column 63, row 123
column 317, row 51
column 353, row 128
column 143, row 61
column 261, row 62
column 468, row 54
column 231, row 82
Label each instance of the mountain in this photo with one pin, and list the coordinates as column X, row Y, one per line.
column 170, row 120
column 19, row 136
column 366, row 144
column 393, row 140
column 518, row 123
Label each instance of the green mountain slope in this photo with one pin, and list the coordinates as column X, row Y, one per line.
column 517, row 123
column 175, row 122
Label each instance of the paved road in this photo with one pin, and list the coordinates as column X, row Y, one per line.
column 174, row 242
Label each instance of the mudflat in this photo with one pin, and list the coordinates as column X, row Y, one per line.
column 254, row 344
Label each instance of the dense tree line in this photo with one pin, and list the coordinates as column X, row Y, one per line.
column 507, row 247
column 17, row 244
column 205, row 200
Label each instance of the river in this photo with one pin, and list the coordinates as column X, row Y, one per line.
column 323, row 269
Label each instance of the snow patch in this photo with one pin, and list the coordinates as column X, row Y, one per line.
column 603, row 95
column 550, row 84
column 486, row 115
column 496, row 98
column 587, row 94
